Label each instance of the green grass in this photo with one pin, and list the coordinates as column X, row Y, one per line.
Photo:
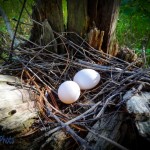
column 133, row 28
column 64, row 6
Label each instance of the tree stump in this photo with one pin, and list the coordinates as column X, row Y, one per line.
column 17, row 111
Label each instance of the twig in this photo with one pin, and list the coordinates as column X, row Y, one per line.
column 108, row 140
column 14, row 36
column 9, row 29
column 82, row 142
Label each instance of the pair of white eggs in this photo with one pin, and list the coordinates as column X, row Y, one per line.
column 85, row 79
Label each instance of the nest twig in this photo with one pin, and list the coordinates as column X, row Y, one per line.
column 46, row 71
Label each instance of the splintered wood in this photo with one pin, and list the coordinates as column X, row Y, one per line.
column 95, row 38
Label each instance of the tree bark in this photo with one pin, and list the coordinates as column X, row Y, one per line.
column 77, row 16
column 104, row 13
column 50, row 10
column 81, row 17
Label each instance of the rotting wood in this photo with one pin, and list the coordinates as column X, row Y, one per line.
column 17, row 107
column 105, row 13
column 8, row 78
column 127, row 54
column 17, row 112
column 57, row 141
column 106, row 127
column 138, row 106
column 95, row 38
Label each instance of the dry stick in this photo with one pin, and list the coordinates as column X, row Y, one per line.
column 98, row 52
column 27, row 40
column 105, row 105
column 74, row 45
column 54, row 56
column 104, row 68
column 107, row 101
column 109, row 140
column 101, row 92
column 59, row 57
column 72, row 120
column 52, row 97
column 101, row 40
column 42, row 94
column 123, row 85
column 38, row 53
column 133, row 92
column 134, row 76
column 71, row 132
column 67, row 60
column 67, row 123
column 38, row 77
column 102, row 110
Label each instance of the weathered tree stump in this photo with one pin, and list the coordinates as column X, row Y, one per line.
column 17, row 110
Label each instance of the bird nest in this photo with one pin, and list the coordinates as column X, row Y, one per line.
column 42, row 71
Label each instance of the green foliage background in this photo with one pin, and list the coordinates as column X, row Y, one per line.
column 12, row 9
column 133, row 28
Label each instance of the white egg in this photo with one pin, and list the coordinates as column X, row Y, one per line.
column 87, row 78
column 69, row 92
